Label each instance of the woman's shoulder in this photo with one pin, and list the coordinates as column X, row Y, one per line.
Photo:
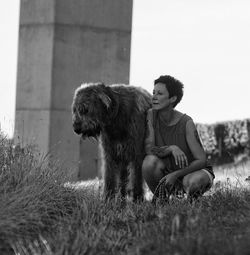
column 187, row 117
column 186, row 121
column 150, row 114
column 190, row 125
column 182, row 117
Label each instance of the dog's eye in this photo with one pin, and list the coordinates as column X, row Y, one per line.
column 82, row 110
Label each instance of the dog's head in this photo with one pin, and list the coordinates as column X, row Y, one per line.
column 90, row 109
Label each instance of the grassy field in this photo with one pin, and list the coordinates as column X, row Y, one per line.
column 41, row 215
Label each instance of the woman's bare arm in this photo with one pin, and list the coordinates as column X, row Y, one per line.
column 196, row 148
column 150, row 137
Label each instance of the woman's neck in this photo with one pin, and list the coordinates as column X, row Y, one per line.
column 167, row 114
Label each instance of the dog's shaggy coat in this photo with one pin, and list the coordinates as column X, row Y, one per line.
column 117, row 115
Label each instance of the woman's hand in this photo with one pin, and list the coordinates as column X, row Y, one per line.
column 161, row 152
column 170, row 180
column 179, row 156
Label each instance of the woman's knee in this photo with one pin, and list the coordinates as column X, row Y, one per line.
column 196, row 182
column 152, row 171
column 151, row 164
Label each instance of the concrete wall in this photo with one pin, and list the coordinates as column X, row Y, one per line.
column 33, row 94
column 62, row 44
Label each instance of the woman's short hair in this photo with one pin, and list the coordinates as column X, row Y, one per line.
column 174, row 87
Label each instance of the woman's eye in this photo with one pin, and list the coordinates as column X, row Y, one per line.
column 157, row 93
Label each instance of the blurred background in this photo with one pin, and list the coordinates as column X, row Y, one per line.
column 205, row 44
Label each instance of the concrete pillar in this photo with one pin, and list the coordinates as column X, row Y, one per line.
column 62, row 44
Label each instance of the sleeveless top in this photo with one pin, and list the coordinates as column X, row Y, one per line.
column 165, row 135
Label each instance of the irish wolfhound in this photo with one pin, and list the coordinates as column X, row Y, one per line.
column 117, row 115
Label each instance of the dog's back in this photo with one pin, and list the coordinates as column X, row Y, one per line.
column 137, row 96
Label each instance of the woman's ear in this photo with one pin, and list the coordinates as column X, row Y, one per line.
column 173, row 99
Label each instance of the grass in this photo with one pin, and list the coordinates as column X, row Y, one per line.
column 41, row 215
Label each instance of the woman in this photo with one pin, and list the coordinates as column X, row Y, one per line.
column 173, row 147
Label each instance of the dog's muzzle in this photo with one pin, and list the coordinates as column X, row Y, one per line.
column 95, row 132
column 77, row 128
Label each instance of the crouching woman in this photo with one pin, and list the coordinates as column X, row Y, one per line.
column 175, row 156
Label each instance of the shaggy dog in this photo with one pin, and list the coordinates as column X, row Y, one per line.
column 117, row 115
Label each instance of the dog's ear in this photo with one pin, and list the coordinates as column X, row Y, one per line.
column 105, row 99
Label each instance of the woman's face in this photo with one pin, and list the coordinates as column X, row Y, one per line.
column 161, row 97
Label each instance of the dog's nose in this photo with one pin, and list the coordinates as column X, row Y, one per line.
column 77, row 128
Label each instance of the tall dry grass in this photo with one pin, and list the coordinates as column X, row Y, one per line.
column 33, row 199
column 41, row 215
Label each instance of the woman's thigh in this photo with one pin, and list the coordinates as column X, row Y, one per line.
column 153, row 171
column 200, row 180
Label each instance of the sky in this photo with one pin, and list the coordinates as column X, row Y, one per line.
column 203, row 43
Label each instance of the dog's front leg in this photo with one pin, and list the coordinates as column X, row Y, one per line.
column 123, row 181
column 137, row 180
column 109, row 179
